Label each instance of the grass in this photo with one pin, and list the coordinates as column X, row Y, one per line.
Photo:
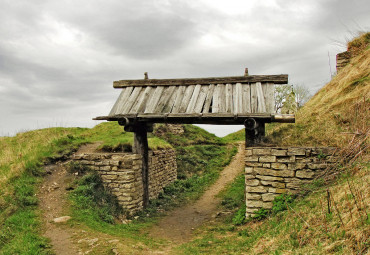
column 21, row 170
column 199, row 159
column 339, row 110
column 338, row 115
column 305, row 227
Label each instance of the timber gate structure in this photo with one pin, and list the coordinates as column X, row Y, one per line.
column 247, row 100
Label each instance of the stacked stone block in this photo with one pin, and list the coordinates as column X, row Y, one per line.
column 162, row 171
column 122, row 174
column 343, row 59
column 270, row 172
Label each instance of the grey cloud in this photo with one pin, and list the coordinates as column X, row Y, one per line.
column 43, row 79
column 137, row 29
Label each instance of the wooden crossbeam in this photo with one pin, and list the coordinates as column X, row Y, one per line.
column 275, row 79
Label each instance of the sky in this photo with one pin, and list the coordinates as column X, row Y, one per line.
column 59, row 58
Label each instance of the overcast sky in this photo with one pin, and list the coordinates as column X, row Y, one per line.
column 59, row 58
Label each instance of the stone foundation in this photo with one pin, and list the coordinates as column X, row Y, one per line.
column 270, row 172
column 121, row 174
column 343, row 59
column 176, row 129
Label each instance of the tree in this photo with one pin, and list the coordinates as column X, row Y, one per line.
column 302, row 95
column 284, row 95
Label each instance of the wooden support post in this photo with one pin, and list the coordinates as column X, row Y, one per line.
column 141, row 147
column 254, row 131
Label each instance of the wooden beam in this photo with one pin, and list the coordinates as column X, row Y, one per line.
column 200, row 118
column 276, row 79
column 141, row 147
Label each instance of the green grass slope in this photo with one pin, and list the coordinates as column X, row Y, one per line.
column 200, row 158
column 21, row 161
column 334, row 217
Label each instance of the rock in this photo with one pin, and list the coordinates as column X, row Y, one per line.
column 268, row 197
column 279, row 152
column 261, row 151
column 62, row 219
column 297, row 151
column 267, row 159
column 91, row 242
column 254, row 182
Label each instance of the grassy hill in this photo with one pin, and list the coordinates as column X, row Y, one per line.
column 201, row 156
column 339, row 110
column 22, row 158
column 338, row 115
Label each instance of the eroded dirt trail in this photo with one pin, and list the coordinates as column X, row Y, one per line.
column 180, row 223
column 53, row 204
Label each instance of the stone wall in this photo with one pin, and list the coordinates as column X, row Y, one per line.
column 343, row 59
column 121, row 174
column 270, row 172
column 162, row 170
column 161, row 129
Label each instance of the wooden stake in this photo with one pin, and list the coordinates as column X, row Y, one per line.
column 141, row 147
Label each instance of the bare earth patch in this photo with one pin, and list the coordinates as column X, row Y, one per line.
column 53, row 204
column 178, row 226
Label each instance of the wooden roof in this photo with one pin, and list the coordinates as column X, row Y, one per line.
column 216, row 100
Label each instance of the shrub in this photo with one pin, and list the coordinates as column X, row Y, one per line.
column 280, row 203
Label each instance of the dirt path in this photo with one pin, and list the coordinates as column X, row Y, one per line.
column 180, row 223
column 53, row 204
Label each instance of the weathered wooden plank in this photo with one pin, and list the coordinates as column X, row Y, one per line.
column 141, row 147
column 221, row 98
column 186, row 99
column 131, row 100
column 239, row 94
column 142, row 102
column 268, row 92
column 261, row 106
column 168, row 106
column 277, row 79
column 154, row 99
column 116, row 104
column 140, row 99
column 246, row 108
column 193, row 99
column 201, row 99
column 253, row 98
column 235, row 100
column 208, row 101
column 228, row 98
column 179, row 96
column 215, row 99
column 122, row 100
column 166, row 94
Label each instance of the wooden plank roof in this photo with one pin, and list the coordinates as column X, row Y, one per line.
column 218, row 100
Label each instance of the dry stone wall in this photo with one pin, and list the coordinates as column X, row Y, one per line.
column 270, row 172
column 343, row 59
column 121, row 174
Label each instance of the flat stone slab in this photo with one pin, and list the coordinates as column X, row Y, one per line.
column 62, row 219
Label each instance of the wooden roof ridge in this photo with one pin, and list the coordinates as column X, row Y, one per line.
column 276, row 79
column 212, row 100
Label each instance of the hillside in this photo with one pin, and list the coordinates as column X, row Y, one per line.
column 201, row 156
column 338, row 110
column 332, row 219
column 338, row 115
